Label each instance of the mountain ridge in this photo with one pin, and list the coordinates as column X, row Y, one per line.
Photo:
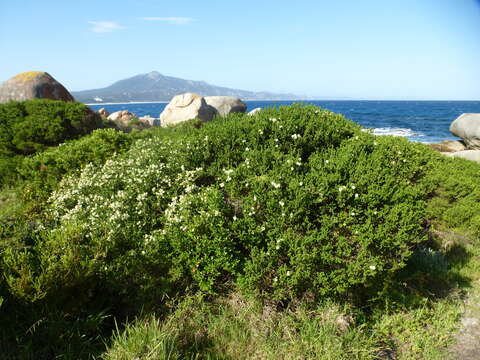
column 154, row 86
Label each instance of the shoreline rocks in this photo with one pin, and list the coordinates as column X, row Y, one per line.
column 185, row 107
column 225, row 105
column 467, row 127
column 190, row 106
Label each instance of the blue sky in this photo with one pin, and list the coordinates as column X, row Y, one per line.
column 369, row 49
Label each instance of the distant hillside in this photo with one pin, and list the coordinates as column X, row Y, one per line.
column 157, row 87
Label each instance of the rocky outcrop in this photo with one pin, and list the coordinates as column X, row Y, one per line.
column 122, row 117
column 103, row 113
column 226, row 104
column 467, row 127
column 33, row 85
column 449, row 146
column 186, row 107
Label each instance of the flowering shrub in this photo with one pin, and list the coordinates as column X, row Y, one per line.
column 291, row 201
column 44, row 170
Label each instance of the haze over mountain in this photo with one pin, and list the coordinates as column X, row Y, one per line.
column 157, row 87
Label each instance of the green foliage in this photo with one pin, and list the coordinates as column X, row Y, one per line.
column 29, row 126
column 44, row 170
column 293, row 201
column 293, row 205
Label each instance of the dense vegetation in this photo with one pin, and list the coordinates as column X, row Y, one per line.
column 30, row 126
column 289, row 233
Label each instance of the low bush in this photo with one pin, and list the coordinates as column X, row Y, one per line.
column 32, row 125
column 290, row 202
column 44, row 170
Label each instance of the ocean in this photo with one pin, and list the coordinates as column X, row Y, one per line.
column 423, row 121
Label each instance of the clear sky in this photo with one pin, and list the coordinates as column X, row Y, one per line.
column 362, row 49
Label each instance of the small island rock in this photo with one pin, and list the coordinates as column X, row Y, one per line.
column 186, row 107
column 467, row 127
column 226, row 104
column 33, row 85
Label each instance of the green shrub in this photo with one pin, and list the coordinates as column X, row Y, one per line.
column 44, row 170
column 29, row 126
column 295, row 203
column 292, row 201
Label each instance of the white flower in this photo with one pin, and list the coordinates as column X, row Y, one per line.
column 247, row 149
column 288, row 273
column 273, row 119
column 341, row 188
column 356, row 196
column 277, row 247
column 353, row 187
column 275, row 185
column 275, row 279
column 234, row 218
column 298, row 163
column 326, row 161
column 281, row 203
column 260, row 132
column 222, row 185
column 301, row 183
column 372, row 267
column 254, row 197
column 352, row 213
column 228, row 172
column 296, row 136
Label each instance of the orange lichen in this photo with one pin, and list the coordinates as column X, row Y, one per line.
column 28, row 76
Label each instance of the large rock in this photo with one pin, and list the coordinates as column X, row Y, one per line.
column 33, row 85
column 473, row 155
column 226, row 104
column 186, row 107
column 467, row 127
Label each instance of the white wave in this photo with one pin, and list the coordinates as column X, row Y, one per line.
column 395, row 132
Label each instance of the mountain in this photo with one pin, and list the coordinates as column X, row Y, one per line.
column 157, row 87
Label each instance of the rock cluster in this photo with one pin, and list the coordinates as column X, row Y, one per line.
column 33, row 85
column 467, row 127
column 190, row 106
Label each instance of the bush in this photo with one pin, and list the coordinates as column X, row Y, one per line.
column 292, row 201
column 29, row 126
column 44, row 170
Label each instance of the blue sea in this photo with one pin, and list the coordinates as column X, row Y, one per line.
column 424, row 121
